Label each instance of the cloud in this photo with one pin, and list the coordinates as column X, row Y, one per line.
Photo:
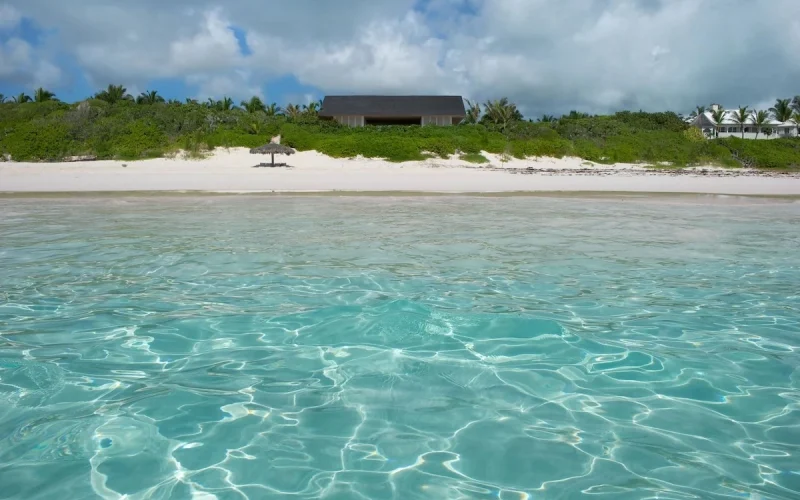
column 549, row 57
column 20, row 62
column 9, row 16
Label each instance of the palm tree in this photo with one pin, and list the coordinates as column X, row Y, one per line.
column 224, row 104
column 796, row 120
column 473, row 112
column 796, row 103
column 114, row 94
column 699, row 110
column 740, row 116
column 22, row 98
column 2, row 98
column 782, row 110
column 293, row 111
column 718, row 115
column 254, row 104
column 760, row 118
column 575, row 115
column 175, row 102
column 547, row 119
column 149, row 97
column 192, row 101
column 312, row 108
column 42, row 95
column 501, row 113
column 273, row 110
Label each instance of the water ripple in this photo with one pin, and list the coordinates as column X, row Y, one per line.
column 453, row 347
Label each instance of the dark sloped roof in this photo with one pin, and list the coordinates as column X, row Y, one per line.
column 703, row 121
column 394, row 106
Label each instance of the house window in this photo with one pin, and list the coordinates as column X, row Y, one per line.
column 436, row 120
column 351, row 121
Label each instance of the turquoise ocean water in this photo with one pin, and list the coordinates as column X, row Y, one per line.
column 399, row 348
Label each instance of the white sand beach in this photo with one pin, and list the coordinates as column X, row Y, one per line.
column 231, row 170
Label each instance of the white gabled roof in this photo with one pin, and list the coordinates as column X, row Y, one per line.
column 728, row 119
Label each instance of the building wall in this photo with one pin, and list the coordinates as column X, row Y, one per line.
column 353, row 121
column 735, row 131
column 442, row 121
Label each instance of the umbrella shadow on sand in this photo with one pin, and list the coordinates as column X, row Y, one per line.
column 272, row 149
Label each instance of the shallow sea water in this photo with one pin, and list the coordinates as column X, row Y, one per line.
column 399, row 348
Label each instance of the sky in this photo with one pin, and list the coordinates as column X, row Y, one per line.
column 547, row 56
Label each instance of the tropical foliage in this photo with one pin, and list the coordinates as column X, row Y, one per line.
column 22, row 98
column 473, row 110
column 718, row 114
column 699, row 110
column 254, row 105
column 114, row 94
column 740, row 116
column 782, row 110
column 273, row 110
column 114, row 125
column 149, row 97
column 292, row 110
column 42, row 95
column 312, row 108
column 501, row 113
column 760, row 118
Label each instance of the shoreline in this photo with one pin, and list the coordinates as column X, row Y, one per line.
column 310, row 173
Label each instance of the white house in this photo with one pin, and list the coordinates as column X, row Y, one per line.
column 729, row 127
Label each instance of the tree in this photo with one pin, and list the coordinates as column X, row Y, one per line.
column 740, row 116
column 312, row 108
column 293, row 111
column 254, row 105
column 2, row 98
column 718, row 115
column 224, row 104
column 149, row 97
column 796, row 103
column 760, row 118
column 782, row 110
column 114, row 94
column 575, row 115
column 501, row 113
column 473, row 112
column 42, row 95
column 22, row 98
column 194, row 102
column 796, row 120
column 699, row 110
column 547, row 119
column 273, row 110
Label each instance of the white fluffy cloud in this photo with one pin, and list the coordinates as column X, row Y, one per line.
column 19, row 60
column 592, row 55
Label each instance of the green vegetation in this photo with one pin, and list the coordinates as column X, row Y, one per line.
column 474, row 158
column 114, row 124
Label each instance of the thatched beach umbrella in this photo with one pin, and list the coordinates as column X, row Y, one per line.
column 272, row 149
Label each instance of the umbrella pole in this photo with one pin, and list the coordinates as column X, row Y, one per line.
column 273, row 159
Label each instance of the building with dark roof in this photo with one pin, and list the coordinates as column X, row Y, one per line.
column 361, row 110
